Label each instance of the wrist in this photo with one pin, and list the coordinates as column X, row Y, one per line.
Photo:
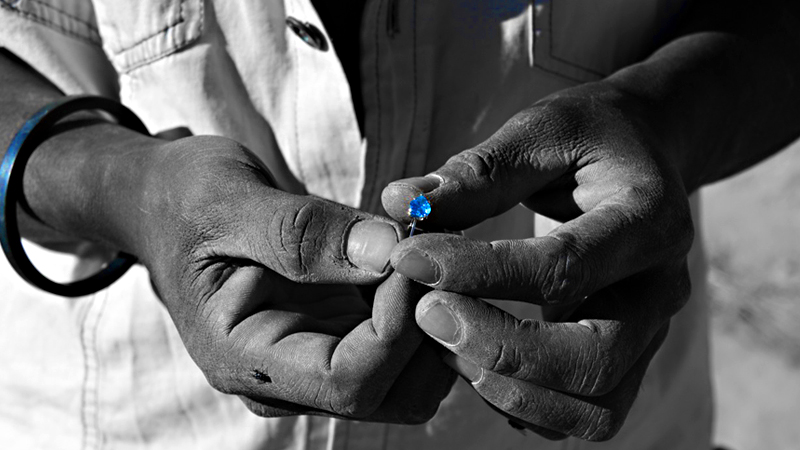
column 85, row 182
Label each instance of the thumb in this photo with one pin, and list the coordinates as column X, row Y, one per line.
column 481, row 182
column 311, row 240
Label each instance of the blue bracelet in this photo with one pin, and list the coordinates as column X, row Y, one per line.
column 22, row 146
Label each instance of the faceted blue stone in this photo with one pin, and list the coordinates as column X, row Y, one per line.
column 419, row 208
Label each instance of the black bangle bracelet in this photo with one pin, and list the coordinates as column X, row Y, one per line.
column 32, row 133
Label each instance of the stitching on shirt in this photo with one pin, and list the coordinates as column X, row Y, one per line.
column 85, row 382
column 137, row 63
column 100, row 315
column 537, row 60
column 297, row 115
column 377, row 153
column 166, row 28
column 559, row 74
column 51, row 24
column 88, row 338
column 414, row 87
column 89, row 25
column 297, row 153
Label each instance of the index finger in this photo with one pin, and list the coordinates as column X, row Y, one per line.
column 587, row 356
column 576, row 259
column 348, row 376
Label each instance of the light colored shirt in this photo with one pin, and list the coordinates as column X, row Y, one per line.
column 110, row 371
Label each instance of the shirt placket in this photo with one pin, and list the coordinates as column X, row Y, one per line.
column 394, row 108
column 322, row 142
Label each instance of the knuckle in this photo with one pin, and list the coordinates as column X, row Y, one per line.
column 567, row 277
column 479, row 163
column 601, row 378
column 508, row 358
column 600, row 424
column 354, row 398
column 356, row 403
column 296, row 238
column 514, row 402
column 639, row 198
column 603, row 373
column 598, row 368
column 666, row 214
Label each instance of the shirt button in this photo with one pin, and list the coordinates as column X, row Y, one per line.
column 308, row 33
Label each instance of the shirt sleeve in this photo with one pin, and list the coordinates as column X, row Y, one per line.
column 60, row 40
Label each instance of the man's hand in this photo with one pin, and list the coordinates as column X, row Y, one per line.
column 614, row 160
column 585, row 158
column 230, row 256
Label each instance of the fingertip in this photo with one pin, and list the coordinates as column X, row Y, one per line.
column 439, row 260
column 417, row 265
column 424, row 184
column 370, row 244
column 439, row 322
column 434, row 298
column 398, row 194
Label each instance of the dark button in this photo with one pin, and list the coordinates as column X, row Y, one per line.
column 308, row 33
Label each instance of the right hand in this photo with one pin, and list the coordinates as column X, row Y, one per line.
column 609, row 279
column 231, row 256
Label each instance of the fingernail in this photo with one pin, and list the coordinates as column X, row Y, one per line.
column 370, row 244
column 440, row 323
column 464, row 368
column 424, row 184
column 418, row 267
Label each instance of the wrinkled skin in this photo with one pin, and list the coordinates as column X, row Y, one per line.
column 232, row 259
column 261, row 284
column 609, row 278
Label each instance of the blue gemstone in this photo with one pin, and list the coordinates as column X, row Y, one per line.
column 419, row 208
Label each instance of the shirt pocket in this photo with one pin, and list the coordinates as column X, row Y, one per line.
column 136, row 33
column 587, row 40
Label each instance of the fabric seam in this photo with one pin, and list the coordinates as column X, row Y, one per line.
column 53, row 25
column 135, row 64
column 414, row 107
column 553, row 55
column 89, row 329
column 181, row 19
column 547, row 54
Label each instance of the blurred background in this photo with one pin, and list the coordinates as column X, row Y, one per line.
column 751, row 225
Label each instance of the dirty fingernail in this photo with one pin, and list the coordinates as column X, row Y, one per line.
column 464, row 368
column 370, row 244
column 418, row 267
column 439, row 322
column 424, row 184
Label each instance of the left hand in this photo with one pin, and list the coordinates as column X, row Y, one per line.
column 586, row 156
